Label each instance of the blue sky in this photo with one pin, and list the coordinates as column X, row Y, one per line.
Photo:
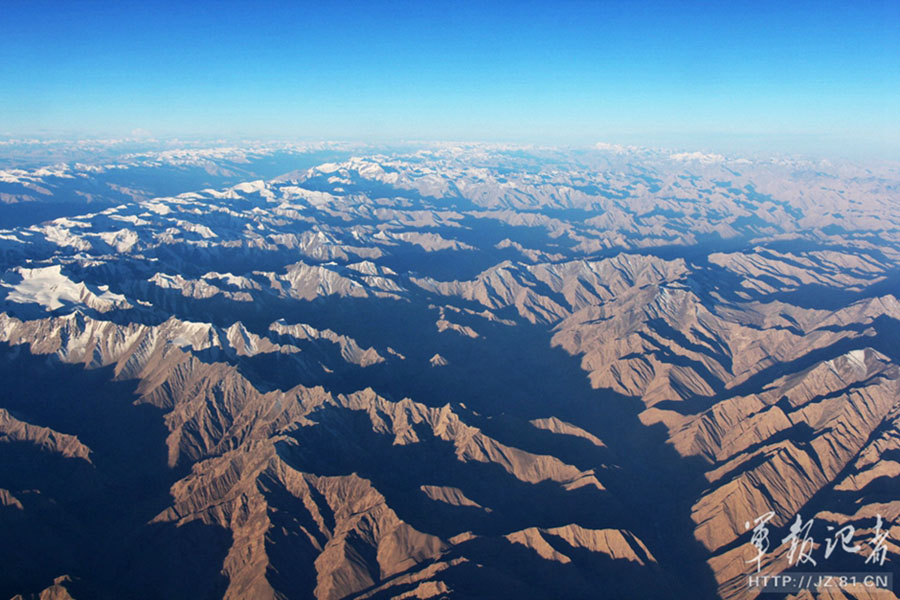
column 802, row 75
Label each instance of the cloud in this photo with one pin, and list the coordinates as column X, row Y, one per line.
column 706, row 159
column 615, row 148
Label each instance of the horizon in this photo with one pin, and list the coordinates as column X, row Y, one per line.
column 62, row 148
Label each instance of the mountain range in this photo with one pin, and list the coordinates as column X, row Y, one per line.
column 443, row 371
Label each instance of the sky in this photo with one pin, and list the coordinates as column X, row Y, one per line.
column 793, row 75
